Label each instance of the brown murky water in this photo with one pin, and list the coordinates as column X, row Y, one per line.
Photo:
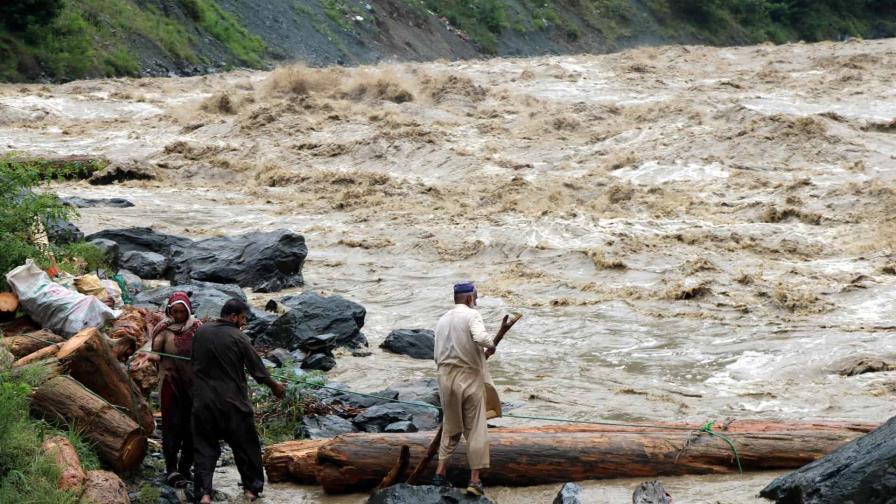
column 691, row 233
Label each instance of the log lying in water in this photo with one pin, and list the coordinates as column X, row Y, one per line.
column 117, row 438
column 556, row 454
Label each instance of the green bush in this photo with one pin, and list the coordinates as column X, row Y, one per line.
column 21, row 209
column 20, row 14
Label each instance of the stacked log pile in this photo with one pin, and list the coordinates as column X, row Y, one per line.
column 556, row 454
column 86, row 385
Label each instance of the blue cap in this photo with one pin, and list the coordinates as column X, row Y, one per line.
column 464, row 288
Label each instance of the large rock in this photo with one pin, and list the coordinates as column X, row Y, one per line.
column 134, row 283
column 323, row 426
column 422, row 391
column 376, row 418
column 207, row 298
column 569, row 493
column 62, row 232
column 416, row 343
column 79, row 202
column 144, row 264
column 649, row 492
column 319, row 362
column 311, row 315
column 412, row 494
column 143, row 240
column 262, row 261
column 258, row 324
column 109, row 248
column 352, row 400
column 860, row 472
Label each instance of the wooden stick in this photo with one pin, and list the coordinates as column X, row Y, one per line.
column 404, row 456
column 430, row 453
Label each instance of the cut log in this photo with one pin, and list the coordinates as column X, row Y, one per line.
column 18, row 326
column 27, row 343
column 71, row 475
column 89, row 359
column 43, row 353
column 146, row 377
column 9, row 305
column 117, row 438
column 104, row 487
column 132, row 322
column 291, row 460
column 556, row 454
column 123, row 348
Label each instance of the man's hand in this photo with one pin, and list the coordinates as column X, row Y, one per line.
column 490, row 351
column 278, row 389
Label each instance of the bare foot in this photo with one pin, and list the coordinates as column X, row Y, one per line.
column 250, row 495
column 206, row 499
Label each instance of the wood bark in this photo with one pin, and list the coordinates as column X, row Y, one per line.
column 71, row 474
column 104, row 487
column 117, row 438
column 43, row 353
column 555, row 454
column 89, row 359
column 27, row 343
column 291, row 460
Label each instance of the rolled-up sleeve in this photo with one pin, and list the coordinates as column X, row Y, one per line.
column 477, row 329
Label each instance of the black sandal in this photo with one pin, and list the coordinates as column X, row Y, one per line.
column 176, row 480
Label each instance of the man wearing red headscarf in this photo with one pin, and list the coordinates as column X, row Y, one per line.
column 174, row 336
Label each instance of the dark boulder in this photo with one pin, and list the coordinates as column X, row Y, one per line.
column 569, row 493
column 412, row 494
column 120, row 172
column 62, row 232
column 416, row 343
column 207, row 298
column 323, row 426
column 262, row 261
column 320, row 343
column 144, row 264
column 376, row 418
column 311, row 315
column 279, row 356
column 109, row 249
column 258, row 324
column 78, row 202
column 319, row 362
column 401, row 427
column 862, row 471
column 422, row 391
column 353, row 400
column 142, row 239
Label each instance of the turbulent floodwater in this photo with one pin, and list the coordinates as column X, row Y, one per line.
column 691, row 233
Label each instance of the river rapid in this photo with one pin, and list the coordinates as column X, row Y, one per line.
column 691, row 233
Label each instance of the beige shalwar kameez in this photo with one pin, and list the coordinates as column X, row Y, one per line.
column 467, row 394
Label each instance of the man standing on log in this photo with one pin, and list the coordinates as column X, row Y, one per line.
column 461, row 349
column 221, row 409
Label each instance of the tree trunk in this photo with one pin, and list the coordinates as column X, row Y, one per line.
column 89, row 359
column 556, row 454
column 71, row 475
column 117, row 438
column 9, row 304
column 290, row 461
column 22, row 345
column 104, row 487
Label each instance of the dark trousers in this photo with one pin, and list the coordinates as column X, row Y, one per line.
column 177, row 437
column 237, row 429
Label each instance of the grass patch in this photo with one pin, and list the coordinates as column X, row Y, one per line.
column 27, row 474
column 278, row 421
column 222, row 25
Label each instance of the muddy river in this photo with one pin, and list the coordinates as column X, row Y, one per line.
column 691, row 233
